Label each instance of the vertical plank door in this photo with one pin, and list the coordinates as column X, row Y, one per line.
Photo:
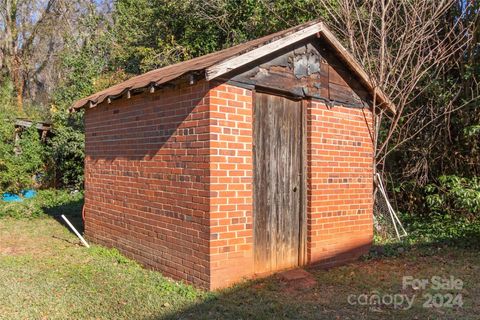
column 277, row 182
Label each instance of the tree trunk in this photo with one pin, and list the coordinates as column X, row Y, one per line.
column 17, row 80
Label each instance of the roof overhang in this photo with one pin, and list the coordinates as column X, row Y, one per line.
column 222, row 62
column 319, row 29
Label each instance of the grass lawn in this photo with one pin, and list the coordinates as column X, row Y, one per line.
column 46, row 274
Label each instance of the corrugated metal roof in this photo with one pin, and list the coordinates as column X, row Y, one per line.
column 169, row 73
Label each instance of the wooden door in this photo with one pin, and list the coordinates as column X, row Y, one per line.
column 278, row 182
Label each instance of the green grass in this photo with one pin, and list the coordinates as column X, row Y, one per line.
column 46, row 274
column 46, row 202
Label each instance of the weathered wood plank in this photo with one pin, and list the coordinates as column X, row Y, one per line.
column 356, row 68
column 238, row 61
column 306, row 70
column 302, row 255
column 277, row 182
column 343, row 94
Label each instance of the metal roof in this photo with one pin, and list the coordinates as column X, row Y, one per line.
column 221, row 62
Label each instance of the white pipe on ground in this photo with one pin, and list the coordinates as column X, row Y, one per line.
column 76, row 232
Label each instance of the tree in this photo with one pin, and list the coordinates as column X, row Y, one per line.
column 153, row 33
column 408, row 47
column 31, row 33
column 85, row 61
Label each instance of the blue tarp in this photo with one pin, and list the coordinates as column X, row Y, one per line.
column 26, row 194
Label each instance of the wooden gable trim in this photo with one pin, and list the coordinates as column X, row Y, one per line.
column 320, row 29
column 350, row 61
column 233, row 63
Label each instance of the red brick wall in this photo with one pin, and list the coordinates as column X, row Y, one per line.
column 340, row 183
column 169, row 181
column 231, row 170
column 339, row 180
column 147, row 180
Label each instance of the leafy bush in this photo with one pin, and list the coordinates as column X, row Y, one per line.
column 66, row 155
column 454, row 195
column 443, row 229
column 429, row 234
column 46, row 202
column 21, row 161
column 26, row 209
column 6, row 95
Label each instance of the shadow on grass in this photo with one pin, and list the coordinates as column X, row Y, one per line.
column 268, row 298
column 72, row 211
column 273, row 298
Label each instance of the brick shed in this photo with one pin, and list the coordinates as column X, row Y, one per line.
column 246, row 161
